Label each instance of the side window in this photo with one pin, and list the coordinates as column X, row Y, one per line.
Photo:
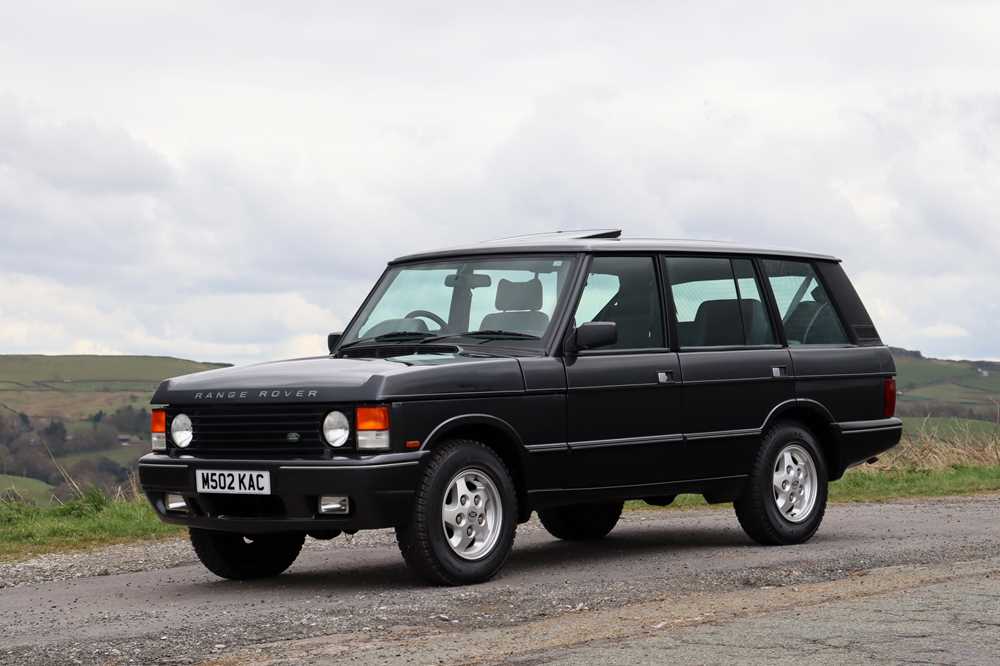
column 806, row 313
column 718, row 302
column 623, row 290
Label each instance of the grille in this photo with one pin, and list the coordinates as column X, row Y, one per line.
column 258, row 430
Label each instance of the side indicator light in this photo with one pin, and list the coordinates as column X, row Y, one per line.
column 412, row 444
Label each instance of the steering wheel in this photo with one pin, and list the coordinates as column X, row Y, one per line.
column 428, row 315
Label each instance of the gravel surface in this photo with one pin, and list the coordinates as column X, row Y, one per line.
column 353, row 599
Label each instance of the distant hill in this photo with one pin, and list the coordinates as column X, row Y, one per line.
column 946, row 388
column 73, row 387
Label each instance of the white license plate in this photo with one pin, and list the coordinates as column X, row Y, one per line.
column 240, row 482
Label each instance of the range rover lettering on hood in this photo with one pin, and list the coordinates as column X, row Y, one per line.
column 245, row 395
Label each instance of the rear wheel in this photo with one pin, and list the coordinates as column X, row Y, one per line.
column 785, row 498
column 464, row 518
column 581, row 522
column 240, row 557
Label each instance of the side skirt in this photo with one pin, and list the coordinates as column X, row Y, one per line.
column 720, row 489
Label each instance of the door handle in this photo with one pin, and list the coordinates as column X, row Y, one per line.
column 665, row 377
column 779, row 371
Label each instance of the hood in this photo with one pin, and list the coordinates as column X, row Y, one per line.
column 328, row 379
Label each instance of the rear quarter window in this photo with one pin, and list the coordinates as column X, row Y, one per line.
column 808, row 316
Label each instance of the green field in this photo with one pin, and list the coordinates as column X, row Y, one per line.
column 30, row 489
column 928, row 384
column 89, row 372
column 71, row 388
column 123, row 455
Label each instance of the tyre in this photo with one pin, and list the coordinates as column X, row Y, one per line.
column 239, row 557
column 785, row 497
column 581, row 522
column 464, row 517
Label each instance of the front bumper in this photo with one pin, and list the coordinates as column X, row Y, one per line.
column 380, row 488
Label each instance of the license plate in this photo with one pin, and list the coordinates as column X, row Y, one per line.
column 240, row 482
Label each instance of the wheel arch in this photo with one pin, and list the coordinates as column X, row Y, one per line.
column 498, row 435
column 819, row 420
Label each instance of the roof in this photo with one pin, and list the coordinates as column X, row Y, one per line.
column 603, row 240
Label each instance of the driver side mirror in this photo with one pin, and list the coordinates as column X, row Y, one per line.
column 331, row 341
column 594, row 334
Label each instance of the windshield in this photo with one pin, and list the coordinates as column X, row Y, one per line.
column 486, row 297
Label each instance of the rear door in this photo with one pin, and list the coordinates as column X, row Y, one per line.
column 734, row 369
column 831, row 367
column 623, row 401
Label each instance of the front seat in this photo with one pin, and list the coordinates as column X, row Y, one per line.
column 519, row 305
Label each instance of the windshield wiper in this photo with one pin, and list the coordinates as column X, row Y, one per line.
column 489, row 334
column 400, row 336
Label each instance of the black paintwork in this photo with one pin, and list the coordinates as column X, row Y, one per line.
column 572, row 425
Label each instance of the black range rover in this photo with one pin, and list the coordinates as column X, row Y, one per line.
column 563, row 374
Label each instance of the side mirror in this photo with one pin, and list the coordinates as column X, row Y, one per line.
column 595, row 334
column 331, row 341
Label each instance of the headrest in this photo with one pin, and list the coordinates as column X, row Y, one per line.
column 819, row 295
column 717, row 310
column 519, row 295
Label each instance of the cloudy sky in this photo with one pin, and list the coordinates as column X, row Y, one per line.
column 223, row 181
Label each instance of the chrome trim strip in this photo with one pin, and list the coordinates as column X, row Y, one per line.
column 625, row 441
column 878, row 429
column 653, row 484
column 147, row 464
column 723, row 434
column 605, row 387
column 554, row 446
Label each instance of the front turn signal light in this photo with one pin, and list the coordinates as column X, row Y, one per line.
column 372, row 424
column 373, row 418
column 158, row 429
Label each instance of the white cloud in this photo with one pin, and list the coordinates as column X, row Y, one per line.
column 226, row 183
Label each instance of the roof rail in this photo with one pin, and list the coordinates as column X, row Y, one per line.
column 576, row 234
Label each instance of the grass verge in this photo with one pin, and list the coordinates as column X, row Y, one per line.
column 95, row 519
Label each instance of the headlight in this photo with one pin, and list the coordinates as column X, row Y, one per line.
column 336, row 429
column 181, row 430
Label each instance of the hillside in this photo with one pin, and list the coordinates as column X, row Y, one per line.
column 947, row 388
column 74, row 387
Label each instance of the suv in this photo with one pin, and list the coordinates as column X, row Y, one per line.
column 563, row 373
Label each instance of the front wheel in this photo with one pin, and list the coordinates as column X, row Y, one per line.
column 464, row 518
column 785, row 498
column 240, row 557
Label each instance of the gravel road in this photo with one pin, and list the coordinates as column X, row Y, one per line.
column 904, row 581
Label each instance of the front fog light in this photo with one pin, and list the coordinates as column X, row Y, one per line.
column 175, row 503
column 336, row 429
column 334, row 504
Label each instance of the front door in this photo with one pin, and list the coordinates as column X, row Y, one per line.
column 734, row 369
column 623, row 401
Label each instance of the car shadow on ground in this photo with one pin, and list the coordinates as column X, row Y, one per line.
column 388, row 573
